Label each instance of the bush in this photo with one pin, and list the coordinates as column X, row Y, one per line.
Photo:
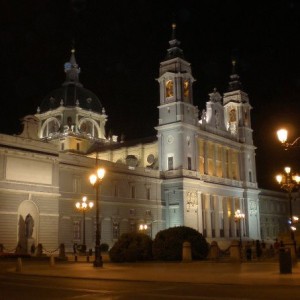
column 167, row 244
column 131, row 247
column 104, row 247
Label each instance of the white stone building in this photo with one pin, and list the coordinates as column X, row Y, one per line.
column 197, row 172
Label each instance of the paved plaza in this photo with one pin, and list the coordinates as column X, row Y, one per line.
column 249, row 273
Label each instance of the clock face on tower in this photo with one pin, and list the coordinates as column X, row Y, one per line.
column 170, row 139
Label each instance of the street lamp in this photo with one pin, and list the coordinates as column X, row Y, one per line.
column 289, row 183
column 238, row 216
column 96, row 180
column 282, row 135
column 84, row 206
column 143, row 227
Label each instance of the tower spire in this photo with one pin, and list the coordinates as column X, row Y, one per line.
column 72, row 70
column 234, row 83
column 174, row 50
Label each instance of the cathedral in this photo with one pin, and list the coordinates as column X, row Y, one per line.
column 198, row 171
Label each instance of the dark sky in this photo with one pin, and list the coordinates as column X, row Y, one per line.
column 120, row 43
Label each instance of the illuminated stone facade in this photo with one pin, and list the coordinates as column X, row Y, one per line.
column 197, row 171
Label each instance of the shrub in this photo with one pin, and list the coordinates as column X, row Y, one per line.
column 131, row 247
column 167, row 244
column 104, row 247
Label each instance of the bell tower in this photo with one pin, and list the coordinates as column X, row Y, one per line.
column 237, row 109
column 178, row 116
column 237, row 119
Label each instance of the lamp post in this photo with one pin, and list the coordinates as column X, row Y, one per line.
column 96, row 180
column 84, row 206
column 238, row 216
column 289, row 183
column 282, row 135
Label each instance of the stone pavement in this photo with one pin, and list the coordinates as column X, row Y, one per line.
column 248, row 273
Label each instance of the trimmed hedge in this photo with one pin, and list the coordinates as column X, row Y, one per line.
column 167, row 244
column 131, row 247
column 104, row 247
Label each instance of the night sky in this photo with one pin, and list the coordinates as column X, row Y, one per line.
column 120, row 43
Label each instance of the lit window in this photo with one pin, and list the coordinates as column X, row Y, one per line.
column 170, row 163
column 169, row 88
column 186, row 88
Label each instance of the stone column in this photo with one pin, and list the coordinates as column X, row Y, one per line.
column 217, row 216
column 208, row 216
column 205, row 145
column 233, row 223
column 199, row 212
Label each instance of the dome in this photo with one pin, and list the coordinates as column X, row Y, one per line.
column 71, row 95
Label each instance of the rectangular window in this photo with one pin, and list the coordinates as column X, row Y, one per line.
column 133, row 192
column 78, row 146
column 116, row 230
column 201, row 156
column 76, row 185
column 132, row 212
column 148, row 193
column 170, row 163
column 189, row 163
column 76, row 230
column 132, row 226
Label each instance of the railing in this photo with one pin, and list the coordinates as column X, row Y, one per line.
column 207, row 178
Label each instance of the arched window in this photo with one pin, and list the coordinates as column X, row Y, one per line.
column 186, row 88
column 50, row 127
column 88, row 127
column 232, row 115
column 169, row 88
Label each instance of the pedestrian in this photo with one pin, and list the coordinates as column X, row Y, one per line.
column 258, row 249
column 74, row 248
column 248, row 252
column 276, row 246
column 272, row 251
column 32, row 249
